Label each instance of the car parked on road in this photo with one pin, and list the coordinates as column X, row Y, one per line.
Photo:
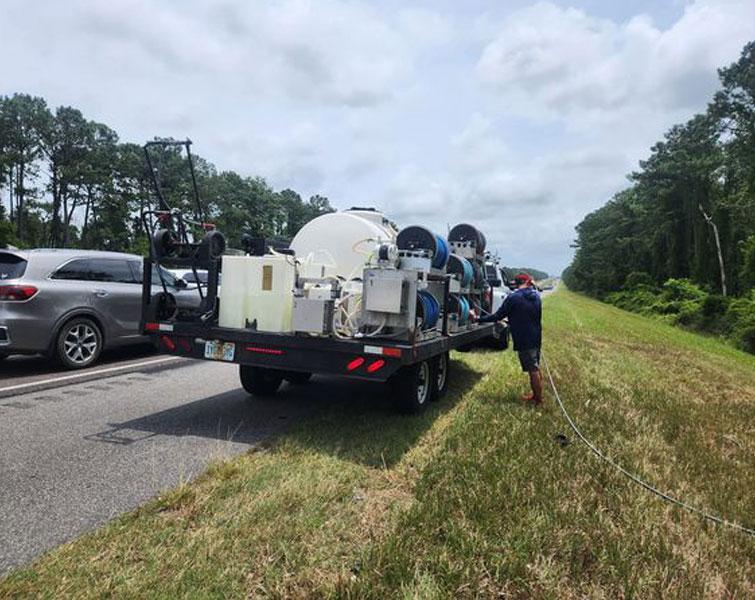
column 499, row 283
column 192, row 278
column 71, row 304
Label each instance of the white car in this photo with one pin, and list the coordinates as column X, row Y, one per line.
column 499, row 283
column 191, row 279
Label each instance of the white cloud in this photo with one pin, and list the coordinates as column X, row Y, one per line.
column 562, row 63
column 521, row 120
column 321, row 51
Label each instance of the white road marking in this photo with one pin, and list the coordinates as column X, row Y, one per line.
column 88, row 374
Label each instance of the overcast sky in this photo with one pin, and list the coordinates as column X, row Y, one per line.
column 519, row 117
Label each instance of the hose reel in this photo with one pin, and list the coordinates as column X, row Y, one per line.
column 418, row 238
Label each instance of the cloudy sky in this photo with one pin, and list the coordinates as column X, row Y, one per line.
column 520, row 117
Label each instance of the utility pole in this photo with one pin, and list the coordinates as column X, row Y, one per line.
column 710, row 222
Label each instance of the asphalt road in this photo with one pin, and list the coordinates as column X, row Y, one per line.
column 74, row 456
column 20, row 370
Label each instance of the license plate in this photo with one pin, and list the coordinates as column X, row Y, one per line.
column 216, row 350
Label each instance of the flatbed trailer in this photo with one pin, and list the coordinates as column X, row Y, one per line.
column 417, row 371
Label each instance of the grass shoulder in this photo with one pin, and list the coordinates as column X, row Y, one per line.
column 473, row 498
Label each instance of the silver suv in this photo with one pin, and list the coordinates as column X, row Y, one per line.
column 70, row 304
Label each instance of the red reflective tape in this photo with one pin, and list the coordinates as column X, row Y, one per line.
column 151, row 326
column 263, row 350
column 355, row 364
column 168, row 343
column 395, row 352
column 375, row 366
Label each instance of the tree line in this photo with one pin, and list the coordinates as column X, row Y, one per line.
column 698, row 183
column 680, row 240
column 66, row 181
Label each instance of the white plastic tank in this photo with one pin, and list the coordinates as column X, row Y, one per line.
column 343, row 239
column 234, row 296
column 258, row 289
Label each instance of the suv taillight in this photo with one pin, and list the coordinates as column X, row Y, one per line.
column 16, row 293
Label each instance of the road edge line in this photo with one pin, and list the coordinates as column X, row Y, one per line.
column 35, row 386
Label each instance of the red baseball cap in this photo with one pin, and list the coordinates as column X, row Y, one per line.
column 522, row 278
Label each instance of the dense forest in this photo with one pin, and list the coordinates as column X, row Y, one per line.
column 658, row 226
column 685, row 228
column 66, row 181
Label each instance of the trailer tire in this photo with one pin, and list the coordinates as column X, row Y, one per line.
column 441, row 366
column 298, row 377
column 412, row 387
column 499, row 342
column 259, row 381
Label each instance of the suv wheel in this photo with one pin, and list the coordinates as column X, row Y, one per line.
column 79, row 343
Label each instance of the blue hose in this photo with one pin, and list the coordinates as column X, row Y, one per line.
column 463, row 310
column 430, row 309
column 441, row 254
column 468, row 272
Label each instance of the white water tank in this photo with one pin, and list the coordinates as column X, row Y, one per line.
column 343, row 239
column 257, row 290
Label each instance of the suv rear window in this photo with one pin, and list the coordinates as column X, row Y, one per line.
column 11, row 266
column 96, row 269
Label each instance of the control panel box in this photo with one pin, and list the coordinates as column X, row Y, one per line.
column 312, row 316
column 389, row 299
column 383, row 291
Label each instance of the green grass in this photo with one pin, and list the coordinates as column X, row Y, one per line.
column 472, row 499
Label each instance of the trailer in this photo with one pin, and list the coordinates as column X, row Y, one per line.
column 382, row 305
column 416, row 372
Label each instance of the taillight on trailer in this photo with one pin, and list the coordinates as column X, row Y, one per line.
column 375, row 366
column 355, row 364
column 262, row 350
column 17, row 293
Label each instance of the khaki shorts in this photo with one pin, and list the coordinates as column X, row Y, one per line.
column 530, row 359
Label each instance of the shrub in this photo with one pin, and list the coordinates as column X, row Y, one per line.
column 638, row 279
column 714, row 305
column 741, row 311
column 640, row 300
column 681, row 302
column 688, row 313
column 678, row 290
column 745, row 339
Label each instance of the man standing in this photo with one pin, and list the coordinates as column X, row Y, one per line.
column 523, row 309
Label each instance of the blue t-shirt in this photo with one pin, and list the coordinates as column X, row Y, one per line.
column 524, row 310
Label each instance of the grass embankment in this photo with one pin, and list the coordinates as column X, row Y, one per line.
column 474, row 498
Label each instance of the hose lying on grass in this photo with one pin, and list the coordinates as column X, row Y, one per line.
column 633, row 477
